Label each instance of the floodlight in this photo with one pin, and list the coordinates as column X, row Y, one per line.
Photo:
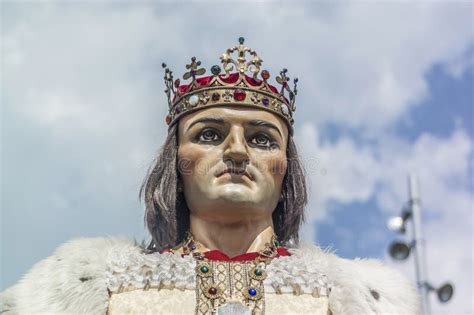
column 398, row 223
column 399, row 250
column 445, row 292
column 395, row 223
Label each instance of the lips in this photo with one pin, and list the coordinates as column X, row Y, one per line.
column 235, row 171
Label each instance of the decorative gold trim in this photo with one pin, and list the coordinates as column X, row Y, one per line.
column 241, row 63
column 253, row 99
column 232, row 283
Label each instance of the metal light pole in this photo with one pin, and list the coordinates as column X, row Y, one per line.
column 419, row 243
column 401, row 250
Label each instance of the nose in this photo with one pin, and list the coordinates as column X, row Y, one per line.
column 236, row 150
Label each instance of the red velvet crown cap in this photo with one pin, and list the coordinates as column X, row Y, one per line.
column 232, row 78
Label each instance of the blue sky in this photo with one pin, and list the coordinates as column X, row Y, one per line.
column 450, row 102
column 450, row 105
column 385, row 89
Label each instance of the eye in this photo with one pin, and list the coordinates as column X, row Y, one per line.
column 263, row 140
column 208, row 135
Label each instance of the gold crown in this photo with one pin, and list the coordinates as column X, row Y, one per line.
column 230, row 89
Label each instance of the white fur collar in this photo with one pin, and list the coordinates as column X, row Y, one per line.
column 75, row 279
column 130, row 268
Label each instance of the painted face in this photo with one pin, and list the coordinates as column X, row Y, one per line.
column 232, row 161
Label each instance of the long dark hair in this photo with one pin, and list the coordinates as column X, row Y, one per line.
column 167, row 215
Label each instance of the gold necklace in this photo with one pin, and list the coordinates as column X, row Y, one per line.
column 224, row 287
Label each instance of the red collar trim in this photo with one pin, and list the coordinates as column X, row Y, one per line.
column 217, row 255
column 220, row 256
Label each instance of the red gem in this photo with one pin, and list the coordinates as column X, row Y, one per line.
column 168, row 120
column 212, row 291
column 265, row 74
column 239, row 95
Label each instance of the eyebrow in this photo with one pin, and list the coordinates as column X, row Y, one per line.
column 258, row 122
column 215, row 120
column 221, row 121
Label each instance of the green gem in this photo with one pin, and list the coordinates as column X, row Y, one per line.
column 204, row 269
column 215, row 69
column 258, row 272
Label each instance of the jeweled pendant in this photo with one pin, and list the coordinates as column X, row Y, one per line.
column 233, row 308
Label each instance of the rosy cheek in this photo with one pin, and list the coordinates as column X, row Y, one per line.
column 188, row 158
column 275, row 165
column 279, row 166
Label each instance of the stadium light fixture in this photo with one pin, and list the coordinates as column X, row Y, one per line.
column 400, row 250
column 445, row 292
column 398, row 223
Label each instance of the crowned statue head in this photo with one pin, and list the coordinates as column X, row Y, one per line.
column 229, row 158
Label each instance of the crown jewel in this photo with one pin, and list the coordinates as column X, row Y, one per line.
column 233, row 87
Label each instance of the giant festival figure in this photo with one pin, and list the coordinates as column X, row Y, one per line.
column 224, row 203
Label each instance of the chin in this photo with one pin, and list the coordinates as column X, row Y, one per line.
column 235, row 199
column 234, row 191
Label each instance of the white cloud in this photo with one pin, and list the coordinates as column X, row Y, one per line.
column 383, row 52
column 355, row 61
column 441, row 164
column 340, row 171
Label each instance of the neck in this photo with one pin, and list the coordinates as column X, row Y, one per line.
column 232, row 239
